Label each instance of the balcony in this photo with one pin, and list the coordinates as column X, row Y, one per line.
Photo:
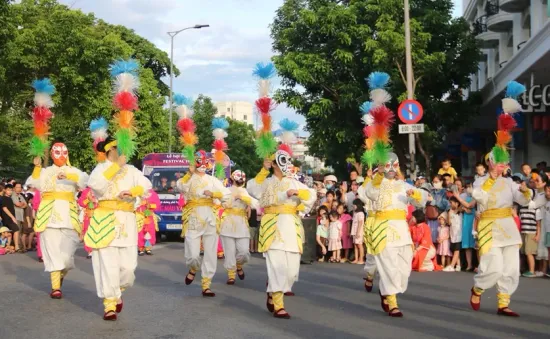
column 513, row 6
column 485, row 38
column 497, row 20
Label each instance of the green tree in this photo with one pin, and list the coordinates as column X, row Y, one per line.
column 203, row 113
column 242, row 149
column 326, row 48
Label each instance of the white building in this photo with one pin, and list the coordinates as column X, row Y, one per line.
column 236, row 110
column 515, row 41
column 300, row 153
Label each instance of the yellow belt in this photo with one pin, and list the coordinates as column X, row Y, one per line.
column 117, row 205
column 67, row 196
column 371, row 214
column 497, row 213
column 392, row 215
column 236, row 211
column 200, row 203
column 281, row 209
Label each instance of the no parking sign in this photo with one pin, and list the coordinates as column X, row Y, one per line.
column 410, row 112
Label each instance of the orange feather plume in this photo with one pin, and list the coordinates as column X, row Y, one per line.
column 41, row 128
column 189, row 138
column 369, row 143
column 125, row 119
column 266, row 122
column 503, row 138
column 219, row 156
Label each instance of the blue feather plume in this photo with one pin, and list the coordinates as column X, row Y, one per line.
column 264, row 71
column 365, row 107
column 288, row 125
column 220, row 123
column 98, row 124
column 180, row 99
column 378, row 80
column 43, row 86
column 514, row 90
column 124, row 66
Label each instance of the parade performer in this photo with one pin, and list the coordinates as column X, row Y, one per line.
column 235, row 234
column 370, row 262
column 390, row 238
column 147, row 222
column 497, row 234
column 201, row 220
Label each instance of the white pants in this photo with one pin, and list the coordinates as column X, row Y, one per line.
column 236, row 251
column 394, row 266
column 500, row 267
column 370, row 265
column 209, row 262
column 58, row 246
column 282, row 270
column 114, row 269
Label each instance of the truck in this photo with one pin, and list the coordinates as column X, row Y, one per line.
column 164, row 170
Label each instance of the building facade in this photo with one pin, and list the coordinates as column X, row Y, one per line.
column 236, row 110
column 515, row 39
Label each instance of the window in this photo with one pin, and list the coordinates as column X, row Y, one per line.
column 229, row 109
column 245, row 117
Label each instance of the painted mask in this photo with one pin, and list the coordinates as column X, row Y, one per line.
column 493, row 165
column 283, row 160
column 392, row 166
column 239, row 177
column 59, row 154
column 201, row 161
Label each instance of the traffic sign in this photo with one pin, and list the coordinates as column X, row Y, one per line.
column 410, row 111
column 411, row 128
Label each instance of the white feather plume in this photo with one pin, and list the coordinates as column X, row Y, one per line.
column 264, row 87
column 100, row 134
column 219, row 134
column 43, row 100
column 183, row 111
column 126, row 82
column 379, row 96
column 288, row 137
column 511, row 106
column 368, row 119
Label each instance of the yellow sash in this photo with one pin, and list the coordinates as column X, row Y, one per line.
column 101, row 231
column 367, row 234
column 485, row 227
column 268, row 227
column 194, row 203
column 46, row 209
column 67, row 196
column 379, row 229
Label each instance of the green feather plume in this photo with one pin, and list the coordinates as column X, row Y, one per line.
column 368, row 158
column 500, row 154
column 189, row 153
column 38, row 146
column 266, row 145
column 219, row 171
column 381, row 152
column 125, row 143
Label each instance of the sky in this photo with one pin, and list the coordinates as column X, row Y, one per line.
column 215, row 61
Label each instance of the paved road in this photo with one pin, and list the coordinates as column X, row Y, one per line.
column 330, row 303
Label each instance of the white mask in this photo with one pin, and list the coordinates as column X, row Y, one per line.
column 438, row 185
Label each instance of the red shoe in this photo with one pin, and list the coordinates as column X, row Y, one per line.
column 208, row 293
column 505, row 311
column 187, row 280
column 56, row 294
column 109, row 316
column 230, row 282
column 475, row 306
column 367, row 287
column 290, row 294
column 397, row 314
column 281, row 314
column 270, row 306
column 385, row 306
column 120, row 306
column 241, row 274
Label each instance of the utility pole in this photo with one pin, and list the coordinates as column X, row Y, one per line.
column 410, row 91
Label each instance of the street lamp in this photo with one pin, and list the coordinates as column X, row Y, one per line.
column 172, row 35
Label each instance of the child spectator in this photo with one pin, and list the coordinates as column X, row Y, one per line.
column 28, row 223
column 5, row 241
column 480, row 170
column 321, row 237
column 455, row 221
column 446, row 168
column 329, row 199
column 525, row 172
column 443, row 239
column 345, row 220
column 530, row 231
column 357, row 231
column 335, row 236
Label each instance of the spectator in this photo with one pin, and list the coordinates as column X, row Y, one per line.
column 28, row 224
column 254, row 227
column 443, row 239
column 530, row 231
column 439, row 200
column 8, row 216
column 468, row 206
column 330, row 182
column 448, row 183
column 345, row 220
column 321, row 235
column 446, row 168
column 335, row 237
column 329, row 199
column 351, row 196
column 20, row 205
column 481, row 171
column 357, row 231
column 541, row 166
column 424, row 256
column 455, row 221
column 545, row 231
column 5, row 241
column 354, row 176
column 525, row 172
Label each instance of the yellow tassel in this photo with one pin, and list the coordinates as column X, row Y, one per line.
column 478, row 290
column 278, row 300
column 239, row 267
column 205, row 283
column 392, row 301
column 503, row 300
column 56, row 280
column 231, row 274
column 109, row 304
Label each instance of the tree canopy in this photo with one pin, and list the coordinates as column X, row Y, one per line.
column 326, row 48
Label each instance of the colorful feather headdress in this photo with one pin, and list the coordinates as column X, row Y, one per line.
column 98, row 129
column 41, row 116
column 125, row 84
column 219, row 128
column 288, row 136
column 266, row 145
column 378, row 120
column 186, row 126
column 506, row 122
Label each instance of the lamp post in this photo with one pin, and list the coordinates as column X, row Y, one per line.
column 410, row 90
column 172, row 35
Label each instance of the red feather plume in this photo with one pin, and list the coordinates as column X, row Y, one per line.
column 286, row 148
column 220, row 145
column 265, row 105
column 42, row 114
column 383, row 116
column 367, row 131
column 186, row 125
column 125, row 101
column 506, row 122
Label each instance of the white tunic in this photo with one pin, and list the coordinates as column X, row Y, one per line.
column 233, row 225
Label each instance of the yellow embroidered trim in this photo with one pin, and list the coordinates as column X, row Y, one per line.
column 72, row 177
column 503, row 300
column 260, row 177
column 488, row 184
column 239, row 267
column 231, row 274
column 392, row 301
column 56, row 280
column 235, row 211
column 205, row 283
column 36, row 172
column 278, row 301
column 217, row 195
column 304, row 194
column 111, row 171
column 247, row 200
column 109, row 304
column 377, row 180
column 137, row 191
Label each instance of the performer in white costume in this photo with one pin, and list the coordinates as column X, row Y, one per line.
column 113, row 232
column 201, row 220
column 370, row 262
column 390, row 236
column 282, row 197
column 57, row 217
column 235, row 234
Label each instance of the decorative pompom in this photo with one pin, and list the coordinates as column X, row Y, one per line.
column 503, row 138
column 365, row 107
column 124, row 66
column 266, row 122
column 186, row 125
column 220, row 123
column 189, row 153
column 189, row 139
column 219, row 133
column 506, row 122
column 41, row 114
column 288, row 137
column 379, row 96
column 125, row 143
column 381, row 152
column 43, row 100
column 265, row 105
column 100, row 157
column 500, row 155
column 264, row 87
column 100, row 134
column 368, row 158
column 380, row 132
column 367, row 131
column 98, row 124
column 219, row 171
column 368, row 119
column 286, row 148
column 183, row 111
column 41, row 128
column 125, row 101
column 219, row 156
column 180, row 99
column 288, row 125
column 369, row 143
column 125, row 119
column 511, row 106
column 383, row 116
column 266, row 145
column 378, row 80
column 264, row 70
column 44, row 86
column 126, row 82
column 514, row 89
column 38, row 146
column 220, row 145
